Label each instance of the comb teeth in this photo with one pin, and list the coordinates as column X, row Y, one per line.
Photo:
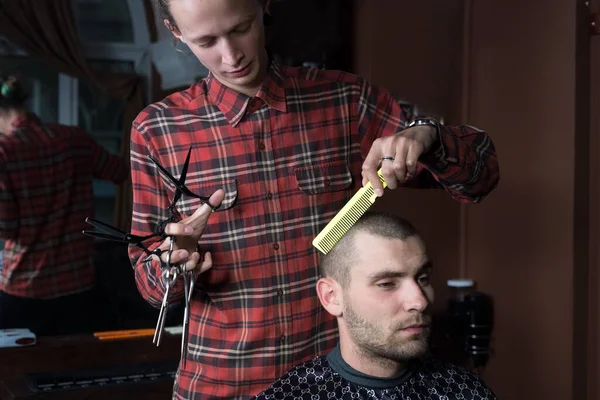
column 342, row 226
column 346, row 218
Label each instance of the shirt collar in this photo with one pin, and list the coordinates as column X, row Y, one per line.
column 233, row 104
column 339, row 365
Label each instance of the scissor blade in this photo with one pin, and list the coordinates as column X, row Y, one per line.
column 176, row 197
column 106, row 236
column 185, row 168
column 105, row 227
column 179, row 183
column 164, row 170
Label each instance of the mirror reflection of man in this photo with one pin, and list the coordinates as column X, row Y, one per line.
column 376, row 282
column 46, row 193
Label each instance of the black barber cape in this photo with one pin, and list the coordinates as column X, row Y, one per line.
column 330, row 377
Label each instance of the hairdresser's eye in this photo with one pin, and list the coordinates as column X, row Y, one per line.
column 243, row 28
column 423, row 280
column 207, row 43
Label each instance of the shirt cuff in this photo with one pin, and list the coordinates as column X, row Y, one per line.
column 442, row 153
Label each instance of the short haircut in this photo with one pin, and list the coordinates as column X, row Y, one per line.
column 336, row 263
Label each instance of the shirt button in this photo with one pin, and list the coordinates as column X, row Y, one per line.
column 327, row 182
column 261, row 146
column 282, row 338
column 269, row 196
column 279, row 292
column 276, row 246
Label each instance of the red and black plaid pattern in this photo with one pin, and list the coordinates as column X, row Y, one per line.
column 288, row 158
column 46, row 175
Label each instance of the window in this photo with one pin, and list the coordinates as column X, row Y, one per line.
column 101, row 21
column 114, row 37
column 102, row 117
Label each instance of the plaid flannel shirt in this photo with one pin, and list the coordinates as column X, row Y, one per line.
column 288, row 159
column 46, row 193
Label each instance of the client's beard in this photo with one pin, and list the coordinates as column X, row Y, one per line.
column 377, row 344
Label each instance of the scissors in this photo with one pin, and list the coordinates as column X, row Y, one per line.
column 170, row 272
column 117, row 235
column 181, row 189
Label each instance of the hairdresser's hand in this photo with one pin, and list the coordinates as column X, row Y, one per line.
column 397, row 155
column 187, row 232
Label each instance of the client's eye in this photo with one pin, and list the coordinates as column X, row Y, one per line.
column 386, row 284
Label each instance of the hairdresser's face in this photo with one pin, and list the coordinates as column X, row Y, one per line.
column 7, row 117
column 227, row 36
column 5, row 126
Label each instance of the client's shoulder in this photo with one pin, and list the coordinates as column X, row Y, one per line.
column 298, row 380
column 431, row 371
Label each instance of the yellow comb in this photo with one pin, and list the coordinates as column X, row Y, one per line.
column 346, row 217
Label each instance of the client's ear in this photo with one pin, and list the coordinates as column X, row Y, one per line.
column 330, row 295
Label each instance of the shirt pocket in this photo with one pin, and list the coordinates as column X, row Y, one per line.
column 188, row 205
column 324, row 178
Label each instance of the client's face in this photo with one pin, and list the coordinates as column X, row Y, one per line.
column 388, row 297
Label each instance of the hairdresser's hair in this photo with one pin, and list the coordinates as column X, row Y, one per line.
column 337, row 262
column 165, row 12
column 12, row 93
